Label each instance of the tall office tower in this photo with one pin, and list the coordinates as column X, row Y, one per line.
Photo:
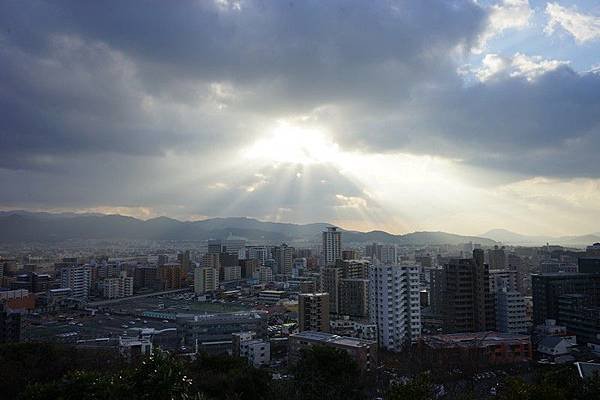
column 468, row 304
column 511, row 312
column 170, row 276
column 330, row 283
column 206, row 279
column 549, row 288
column 214, row 246
column 394, row 304
column 332, row 245
column 354, row 297
column 497, row 258
column 78, row 278
column 284, row 256
column 313, row 312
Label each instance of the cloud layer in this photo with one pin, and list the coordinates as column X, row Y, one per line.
column 124, row 105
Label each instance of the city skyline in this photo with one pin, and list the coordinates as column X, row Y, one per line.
column 460, row 116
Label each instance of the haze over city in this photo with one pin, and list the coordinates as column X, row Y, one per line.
column 460, row 116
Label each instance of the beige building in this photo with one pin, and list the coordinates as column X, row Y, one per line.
column 313, row 312
column 206, row 279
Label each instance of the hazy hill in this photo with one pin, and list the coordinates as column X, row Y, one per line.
column 27, row 226
column 508, row 237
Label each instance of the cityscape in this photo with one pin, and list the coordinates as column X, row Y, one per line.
column 300, row 200
column 469, row 315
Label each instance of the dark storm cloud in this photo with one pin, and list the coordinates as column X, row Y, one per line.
column 75, row 75
column 546, row 126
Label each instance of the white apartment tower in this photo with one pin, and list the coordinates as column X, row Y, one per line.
column 332, row 245
column 206, row 279
column 511, row 312
column 78, row 278
column 394, row 305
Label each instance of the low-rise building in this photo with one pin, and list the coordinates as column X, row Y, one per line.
column 132, row 348
column 363, row 352
column 473, row 348
column 256, row 351
column 557, row 348
column 271, row 296
column 207, row 331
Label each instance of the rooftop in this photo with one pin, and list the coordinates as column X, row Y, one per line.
column 474, row 338
column 324, row 337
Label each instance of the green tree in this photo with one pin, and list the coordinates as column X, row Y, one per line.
column 419, row 388
column 226, row 377
column 327, row 373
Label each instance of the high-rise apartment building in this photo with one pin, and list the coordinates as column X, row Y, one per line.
column 394, row 304
column 511, row 312
column 284, row 257
column 468, row 304
column 260, row 253
column 249, row 267
column 313, row 312
column 354, row 298
column 330, row 283
column 382, row 253
column 114, row 288
column 145, row 277
column 206, row 279
column 170, row 276
column 353, row 269
column 265, row 275
column 235, row 245
column 331, row 278
column 214, row 246
column 78, row 278
column 332, row 245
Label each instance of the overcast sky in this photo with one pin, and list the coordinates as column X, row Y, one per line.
column 453, row 115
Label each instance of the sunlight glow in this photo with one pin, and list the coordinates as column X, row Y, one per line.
column 287, row 143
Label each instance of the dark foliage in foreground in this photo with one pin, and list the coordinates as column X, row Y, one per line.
column 32, row 371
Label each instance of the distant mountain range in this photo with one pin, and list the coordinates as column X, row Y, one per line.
column 508, row 237
column 20, row 226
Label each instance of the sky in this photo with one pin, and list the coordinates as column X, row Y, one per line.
column 400, row 115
